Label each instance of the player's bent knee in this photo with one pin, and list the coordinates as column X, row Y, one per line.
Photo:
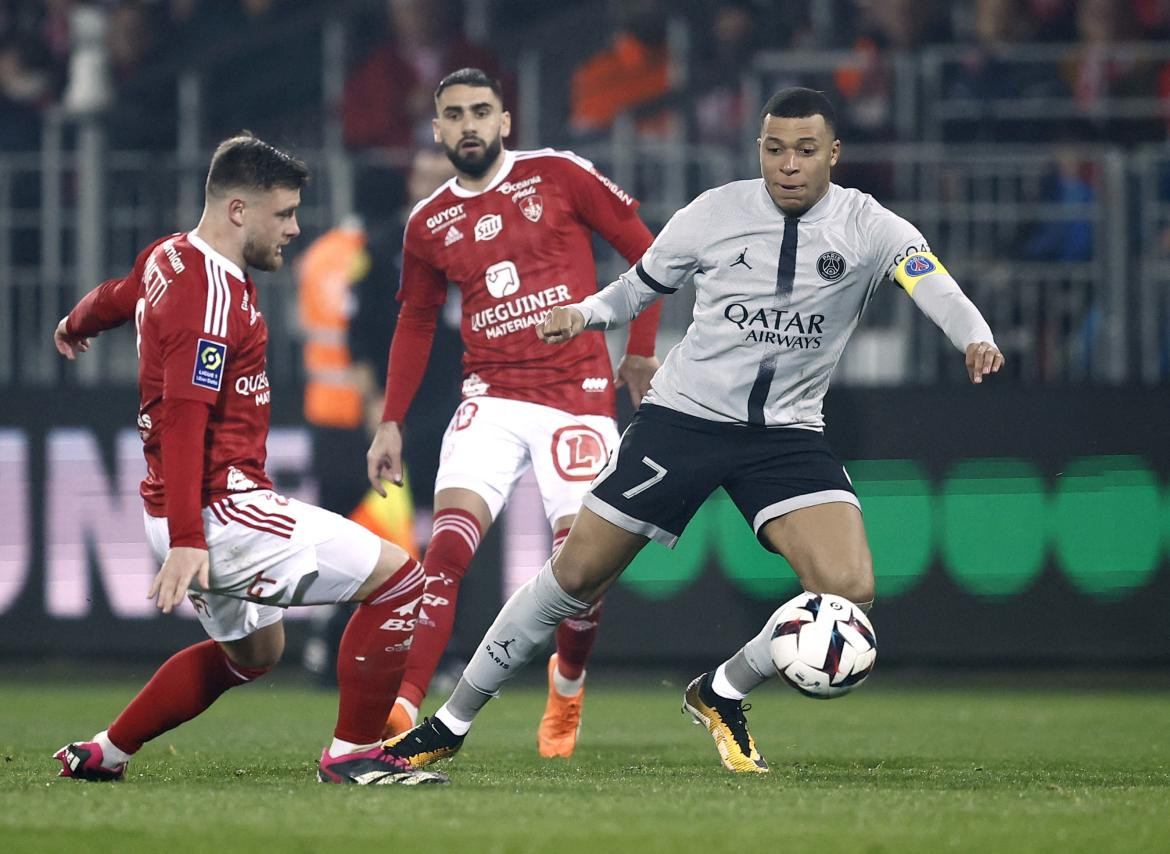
column 256, row 658
column 260, row 650
column 390, row 560
column 580, row 579
column 857, row 587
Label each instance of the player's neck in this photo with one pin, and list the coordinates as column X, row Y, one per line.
column 468, row 182
column 220, row 241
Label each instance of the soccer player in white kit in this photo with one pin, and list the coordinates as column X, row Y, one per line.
column 783, row 267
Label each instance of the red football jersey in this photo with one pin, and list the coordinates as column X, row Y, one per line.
column 516, row 249
column 200, row 337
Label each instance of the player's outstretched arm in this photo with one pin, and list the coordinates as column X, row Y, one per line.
column 560, row 325
column 67, row 343
column 982, row 358
column 182, row 565
column 384, row 458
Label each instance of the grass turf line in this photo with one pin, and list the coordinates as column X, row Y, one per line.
column 894, row 767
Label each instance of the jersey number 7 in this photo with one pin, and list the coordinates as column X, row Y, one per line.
column 659, row 473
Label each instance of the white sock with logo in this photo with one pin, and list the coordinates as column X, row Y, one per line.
column 112, row 755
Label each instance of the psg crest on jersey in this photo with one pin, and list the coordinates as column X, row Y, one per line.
column 532, row 207
column 831, row 266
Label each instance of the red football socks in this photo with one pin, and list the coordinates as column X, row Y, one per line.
column 186, row 684
column 575, row 635
column 454, row 539
column 372, row 656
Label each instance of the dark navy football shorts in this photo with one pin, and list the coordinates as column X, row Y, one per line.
column 668, row 464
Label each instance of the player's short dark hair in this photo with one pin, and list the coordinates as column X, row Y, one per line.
column 245, row 161
column 796, row 102
column 470, row 77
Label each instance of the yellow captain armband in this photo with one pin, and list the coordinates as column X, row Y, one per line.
column 915, row 267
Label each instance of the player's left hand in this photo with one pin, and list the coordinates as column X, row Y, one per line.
column 68, row 344
column 982, row 358
column 635, row 373
column 182, row 565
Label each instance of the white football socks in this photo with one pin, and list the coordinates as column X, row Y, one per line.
column 567, row 687
column 112, row 755
column 340, row 747
column 452, row 723
column 410, row 708
column 724, row 688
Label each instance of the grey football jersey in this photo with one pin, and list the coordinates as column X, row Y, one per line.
column 776, row 298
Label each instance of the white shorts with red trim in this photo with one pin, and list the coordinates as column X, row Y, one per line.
column 268, row 553
column 492, row 441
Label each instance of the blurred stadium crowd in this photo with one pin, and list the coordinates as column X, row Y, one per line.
column 50, row 53
column 1026, row 136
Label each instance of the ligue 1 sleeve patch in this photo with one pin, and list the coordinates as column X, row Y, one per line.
column 210, row 357
column 915, row 267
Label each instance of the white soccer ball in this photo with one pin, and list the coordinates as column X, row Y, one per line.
column 823, row 645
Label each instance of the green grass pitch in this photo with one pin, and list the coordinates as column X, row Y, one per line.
column 902, row 765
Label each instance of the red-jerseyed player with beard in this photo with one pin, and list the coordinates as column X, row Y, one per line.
column 514, row 231
column 240, row 551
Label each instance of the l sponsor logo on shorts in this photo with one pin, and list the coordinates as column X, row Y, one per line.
column 488, row 227
column 578, row 452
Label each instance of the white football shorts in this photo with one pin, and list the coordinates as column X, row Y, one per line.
column 491, row 442
column 267, row 553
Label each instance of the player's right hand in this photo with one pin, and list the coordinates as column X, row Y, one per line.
column 68, row 344
column 181, row 566
column 384, row 458
column 561, row 325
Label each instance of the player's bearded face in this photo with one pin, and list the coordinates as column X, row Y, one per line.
column 796, row 158
column 272, row 224
column 472, row 156
column 471, row 123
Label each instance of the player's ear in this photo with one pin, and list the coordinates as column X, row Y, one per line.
column 435, row 131
column 505, row 123
column 235, row 209
column 835, row 152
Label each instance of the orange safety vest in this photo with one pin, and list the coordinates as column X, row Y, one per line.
column 328, row 269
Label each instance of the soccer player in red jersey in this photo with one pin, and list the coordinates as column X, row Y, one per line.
column 241, row 552
column 513, row 229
